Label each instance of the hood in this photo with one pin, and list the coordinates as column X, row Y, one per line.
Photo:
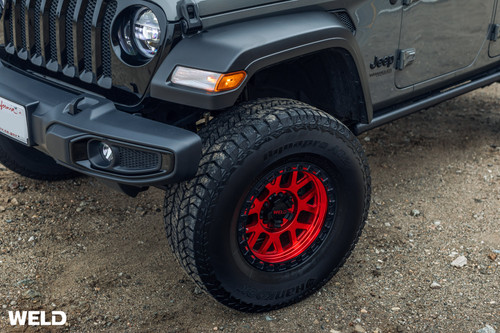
column 210, row 7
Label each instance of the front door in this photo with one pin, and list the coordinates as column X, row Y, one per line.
column 446, row 36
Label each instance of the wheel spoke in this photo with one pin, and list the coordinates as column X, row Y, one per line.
column 253, row 239
column 303, row 206
column 277, row 244
column 293, row 236
column 274, row 186
column 268, row 242
column 254, row 228
column 309, row 195
column 256, row 207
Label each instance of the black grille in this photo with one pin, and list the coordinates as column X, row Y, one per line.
column 61, row 36
column 132, row 159
column 346, row 20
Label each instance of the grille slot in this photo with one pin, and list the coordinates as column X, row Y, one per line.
column 11, row 23
column 87, row 35
column 36, row 21
column 22, row 25
column 61, row 37
column 70, row 56
column 106, row 30
column 52, row 31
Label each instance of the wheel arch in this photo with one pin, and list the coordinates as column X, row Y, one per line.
column 259, row 45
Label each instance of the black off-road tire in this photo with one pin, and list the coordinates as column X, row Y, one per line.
column 30, row 162
column 205, row 217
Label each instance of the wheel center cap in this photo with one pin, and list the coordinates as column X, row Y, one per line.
column 277, row 210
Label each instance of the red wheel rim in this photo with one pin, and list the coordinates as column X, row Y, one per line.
column 286, row 214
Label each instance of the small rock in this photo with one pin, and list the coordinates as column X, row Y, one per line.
column 316, row 322
column 496, row 251
column 367, row 139
column 459, row 262
column 436, row 223
column 492, row 256
column 486, row 329
column 387, row 224
column 32, row 238
column 364, row 311
column 395, row 308
column 334, row 331
column 269, row 318
column 435, row 285
column 79, row 209
column 30, row 293
column 8, row 221
column 13, row 185
column 13, row 303
column 14, row 202
column 4, row 306
column 2, row 209
column 25, row 282
column 197, row 290
column 359, row 329
column 415, row 212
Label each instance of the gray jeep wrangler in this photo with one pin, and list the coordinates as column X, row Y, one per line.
column 245, row 112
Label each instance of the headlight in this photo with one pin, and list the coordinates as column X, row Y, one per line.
column 139, row 33
column 147, row 32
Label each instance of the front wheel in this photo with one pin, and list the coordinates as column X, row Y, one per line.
column 276, row 208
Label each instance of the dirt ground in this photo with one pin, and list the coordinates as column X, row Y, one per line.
column 102, row 257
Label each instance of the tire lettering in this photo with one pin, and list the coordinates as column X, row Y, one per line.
column 297, row 144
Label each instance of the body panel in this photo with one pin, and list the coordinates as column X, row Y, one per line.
column 447, row 36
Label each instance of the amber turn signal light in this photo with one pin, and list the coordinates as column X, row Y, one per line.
column 230, row 81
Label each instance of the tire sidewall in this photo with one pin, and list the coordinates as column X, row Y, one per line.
column 334, row 149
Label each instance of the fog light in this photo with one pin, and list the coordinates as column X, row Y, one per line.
column 107, row 153
column 102, row 155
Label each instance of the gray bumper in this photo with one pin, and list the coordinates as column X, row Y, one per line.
column 62, row 129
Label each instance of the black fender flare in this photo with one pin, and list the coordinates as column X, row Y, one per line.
column 251, row 46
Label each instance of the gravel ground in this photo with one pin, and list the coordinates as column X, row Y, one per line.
column 102, row 257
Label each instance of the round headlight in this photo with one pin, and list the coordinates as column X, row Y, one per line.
column 139, row 33
column 147, row 32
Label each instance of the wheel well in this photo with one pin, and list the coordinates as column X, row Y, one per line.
column 328, row 80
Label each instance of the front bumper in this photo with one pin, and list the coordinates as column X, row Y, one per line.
column 63, row 123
